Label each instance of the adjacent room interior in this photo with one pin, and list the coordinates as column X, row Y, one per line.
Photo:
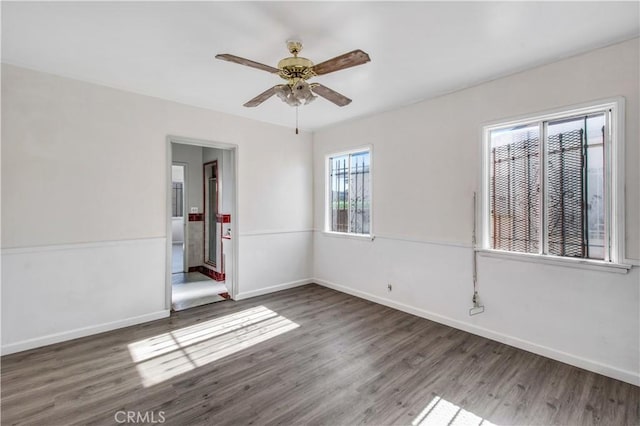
column 202, row 200
column 320, row 213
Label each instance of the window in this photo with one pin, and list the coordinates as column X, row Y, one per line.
column 550, row 185
column 349, row 192
column 177, row 190
column 176, row 200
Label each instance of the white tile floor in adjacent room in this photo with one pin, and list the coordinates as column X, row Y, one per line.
column 195, row 289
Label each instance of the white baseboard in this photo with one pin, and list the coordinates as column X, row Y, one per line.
column 80, row 332
column 272, row 289
column 596, row 367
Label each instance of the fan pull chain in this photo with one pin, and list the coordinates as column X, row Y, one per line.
column 296, row 120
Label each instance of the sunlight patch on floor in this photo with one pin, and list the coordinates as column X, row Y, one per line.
column 167, row 355
column 442, row 412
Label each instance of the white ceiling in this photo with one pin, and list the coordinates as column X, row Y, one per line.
column 418, row 49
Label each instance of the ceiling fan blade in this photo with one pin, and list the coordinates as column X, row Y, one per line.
column 330, row 95
column 247, row 62
column 261, row 97
column 348, row 60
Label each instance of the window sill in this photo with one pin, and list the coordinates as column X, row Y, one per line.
column 596, row 265
column 361, row 237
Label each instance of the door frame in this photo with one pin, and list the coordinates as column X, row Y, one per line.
column 185, row 216
column 172, row 139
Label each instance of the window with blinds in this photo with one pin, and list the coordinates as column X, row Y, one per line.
column 546, row 189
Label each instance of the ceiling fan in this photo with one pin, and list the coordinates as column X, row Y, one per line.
column 296, row 71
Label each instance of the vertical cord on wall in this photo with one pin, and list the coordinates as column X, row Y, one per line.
column 473, row 246
column 477, row 308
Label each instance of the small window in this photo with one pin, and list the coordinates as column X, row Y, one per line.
column 176, row 200
column 177, row 190
column 349, row 192
column 550, row 187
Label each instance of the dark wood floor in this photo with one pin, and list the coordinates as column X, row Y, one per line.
column 309, row 355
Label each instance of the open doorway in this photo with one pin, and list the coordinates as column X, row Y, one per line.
column 203, row 256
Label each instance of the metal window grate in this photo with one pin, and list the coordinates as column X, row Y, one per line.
column 349, row 204
column 515, row 195
column 565, row 194
column 339, row 180
column 559, row 207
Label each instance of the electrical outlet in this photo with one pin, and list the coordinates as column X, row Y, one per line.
column 476, row 310
column 389, row 287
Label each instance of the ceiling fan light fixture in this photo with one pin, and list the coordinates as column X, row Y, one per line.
column 310, row 99
column 286, row 95
column 302, row 92
column 296, row 94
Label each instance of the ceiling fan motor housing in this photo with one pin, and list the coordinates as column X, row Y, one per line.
column 296, row 67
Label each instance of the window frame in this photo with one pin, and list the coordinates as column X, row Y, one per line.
column 327, row 193
column 614, row 185
column 173, row 210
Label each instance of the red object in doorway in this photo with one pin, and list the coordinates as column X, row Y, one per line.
column 223, row 218
column 218, row 276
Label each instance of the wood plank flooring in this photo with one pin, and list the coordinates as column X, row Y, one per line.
column 308, row 355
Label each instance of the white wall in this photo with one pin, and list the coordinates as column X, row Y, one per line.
column 177, row 230
column 60, row 292
column 84, row 187
column 426, row 160
column 257, row 248
column 192, row 157
column 228, row 180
